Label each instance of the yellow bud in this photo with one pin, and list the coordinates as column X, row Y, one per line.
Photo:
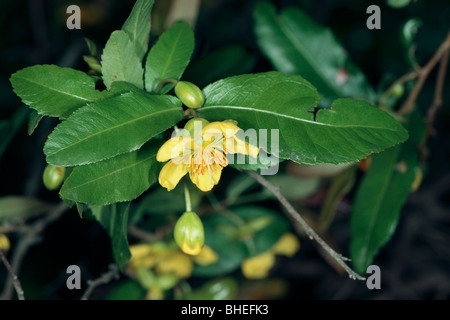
column 287, row 245
column 189, row 233
column 258, row 267
column 4, row 242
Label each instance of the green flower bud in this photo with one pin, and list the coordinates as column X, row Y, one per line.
column 53, row 176
column 189, row 233
column 195, row 124
column 191, row 95
column 398, row 90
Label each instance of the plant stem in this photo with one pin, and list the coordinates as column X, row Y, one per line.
column 15, row 279
column 187, row 197
column 301, row 222
column 31, row 235
column 105, row 278
column 422, row 75
column 163, row 82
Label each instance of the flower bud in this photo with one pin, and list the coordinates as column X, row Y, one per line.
column 195, row 126
column 189, row 233
column 191, row 95
column 53, row 176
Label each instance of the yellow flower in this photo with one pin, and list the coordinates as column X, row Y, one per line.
column 202, row 156
column 206, row 257
column 175, row 262
column 142, row 255
column 258, row 267
column 4, row 242
column 287, row 245
column 154, row 293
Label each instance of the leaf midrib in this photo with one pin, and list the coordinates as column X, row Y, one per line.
column 59, row 91
column 112, row 128
column 294, row 118
column 172, row 52
column 115, row 172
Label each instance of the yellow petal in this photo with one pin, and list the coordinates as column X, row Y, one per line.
column 287, row 245
column 171, row 174
column 258, row 267
column 236, row 145
column 173, row 148
column 226, row 129
column 177, row 263
column 205, row 182
column 206, row 257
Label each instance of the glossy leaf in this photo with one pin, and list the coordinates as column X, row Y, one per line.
column 55, row 91
column 381, row 196
column 114, row 219
column 122, row 178
column 349, row 131
column 137, row 26
column 295, row 44
column 108, row 128
column 120, row 62
column 169, row 56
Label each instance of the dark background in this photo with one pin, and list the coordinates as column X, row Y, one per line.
column 416, row 262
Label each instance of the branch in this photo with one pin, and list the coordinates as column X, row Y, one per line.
column 423, row 75
column 15, row 279
column 309, row 231
column 30, row 237
column 436, row 104
column 105, row 278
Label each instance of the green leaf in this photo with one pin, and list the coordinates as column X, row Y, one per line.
column 120, row 62
column 55, row 91
column 397, row 4
column 169, row 56
column 347, row 132
column 110, row 127
column 33, row 121
column 114, row 219
column 245, row 162
column 267, row 236
column 122, row 178
column 162, row 202
column 294, row 188
column 127, row 290
column 137, row 26
column 9, row 128
column 381, row 195
column 295, row 44
column 16, row 208
column 225, row 237
column 221, row 63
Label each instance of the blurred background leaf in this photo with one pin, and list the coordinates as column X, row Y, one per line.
column 382, row 194
column 295, row 44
